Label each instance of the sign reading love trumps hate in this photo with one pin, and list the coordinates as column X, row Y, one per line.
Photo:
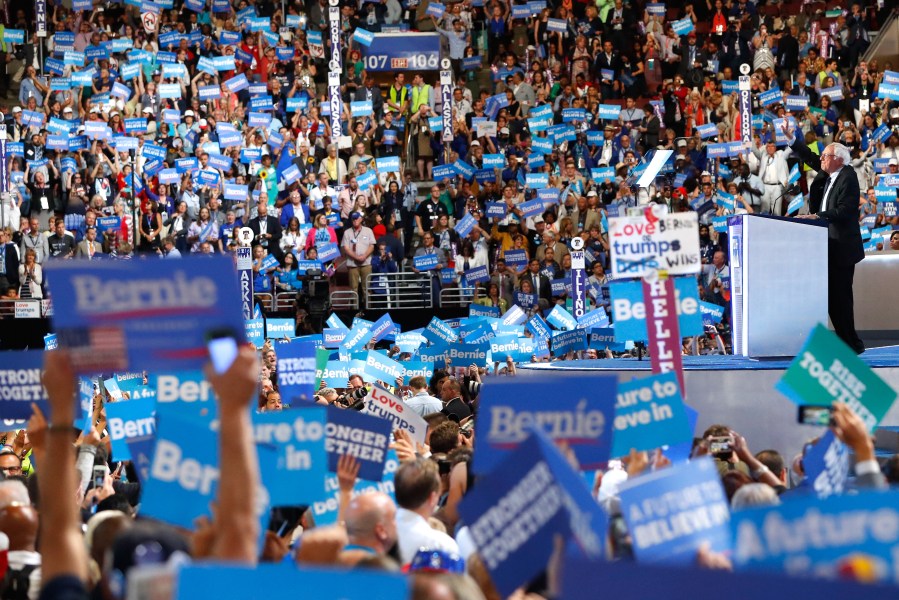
column 671, row 512
column 359, row 435
column 20, row 384
column 121, row 315
column 650, row 242
column 383, row 404
column 827, row 370
column 528, row 498
column 580, row 413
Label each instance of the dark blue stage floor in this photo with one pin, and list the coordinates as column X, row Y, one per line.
column 886, row 356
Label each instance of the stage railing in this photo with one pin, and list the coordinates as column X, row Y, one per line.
column 387, row 291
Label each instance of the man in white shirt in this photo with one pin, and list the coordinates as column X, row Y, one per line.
column 320, row 191
column 422, row 402
column 774, row 173
column 417, row 485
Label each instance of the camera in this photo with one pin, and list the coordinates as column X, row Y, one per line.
column 722, row 445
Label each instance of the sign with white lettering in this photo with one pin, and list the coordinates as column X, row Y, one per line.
column 581, row 414
column 671, row 512
column 826, row 369
column 20, row 384
column 120, row 315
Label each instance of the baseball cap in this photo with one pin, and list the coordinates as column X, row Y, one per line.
column 147, row 110
column 355, row 215
column 504, row 130
column 67, row 109
column 203, row 124
column 16, row 109
column 681, row 143
column 476, row 143
column 892, row 162
column 437, row 561
column 189, row 113
column 591, row 193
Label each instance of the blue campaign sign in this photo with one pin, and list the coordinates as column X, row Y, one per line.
column 280, row 581
column 357, row 338
column 20, row 384
column 438, row 331
column 581, row 414
column 383, row 328
column 279, row 328
column 629, row 310
column 360, row 435
column 515, row 258
column 808, row 536
column 515, row 544
column 649, row 414
column 183, row 474
column 184, row 394
column 325, row 511
column 602, row 338
column 119, row 315
column 560, row 318
column 298, row 437
column 477, row 275
column 333, row 338
column 672, row 512
column 465, row 225
column 335, row 374
column 255, row 331
column 826, row 465
column 425, row 262
column 127, row 420
column 382, row 368
column 506, row 346
column 595, row 318
column 539, row 328
column 477, row 310
column 569, row 341
column 414, row 368
column 514, row 316
column 296, row 371
column 711, row 313
column 462, row 354
column 525, row 300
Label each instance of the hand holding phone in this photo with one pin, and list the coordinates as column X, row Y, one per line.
column 222, row 351
column 810, row 414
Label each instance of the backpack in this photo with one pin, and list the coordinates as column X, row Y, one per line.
column 16, row 583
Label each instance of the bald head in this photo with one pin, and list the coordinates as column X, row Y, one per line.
column 19, row 523
column 13, row 491
column 371, row 521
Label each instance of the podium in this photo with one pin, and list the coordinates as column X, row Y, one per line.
column 778, row 273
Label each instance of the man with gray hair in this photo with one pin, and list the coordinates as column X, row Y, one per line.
column 834, row 198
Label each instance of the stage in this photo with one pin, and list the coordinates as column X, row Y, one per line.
column 736, row 391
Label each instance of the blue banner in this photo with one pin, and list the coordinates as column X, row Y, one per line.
column 382, row 368
column 359, row 435
column 298, row 437
column 530, row 497
column 280, row 581
column 828, row 538
column 127, row 420
column 296, row 371
column 129, row 329
column 629, row 310
column 509, row 407
column 569, row 341
column 20, row 384
column 658, row 506
column 649, row 414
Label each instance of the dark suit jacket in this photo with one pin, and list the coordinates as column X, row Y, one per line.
column 12, row 265
column 272, row 227
column 845, row 240
column 508, row 286
column 540, row 284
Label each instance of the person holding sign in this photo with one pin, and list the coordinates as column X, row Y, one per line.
column 834, row 197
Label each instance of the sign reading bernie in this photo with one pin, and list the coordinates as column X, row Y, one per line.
column 651, row 242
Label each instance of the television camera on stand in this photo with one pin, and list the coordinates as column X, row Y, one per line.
column 315, row 298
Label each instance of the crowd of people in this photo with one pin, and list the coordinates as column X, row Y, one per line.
column 92, row 538
column 118, row 111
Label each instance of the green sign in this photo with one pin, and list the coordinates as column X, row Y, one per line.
column 827, row 370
